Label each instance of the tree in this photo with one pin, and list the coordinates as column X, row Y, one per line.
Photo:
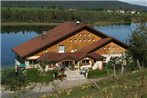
column 138, row 45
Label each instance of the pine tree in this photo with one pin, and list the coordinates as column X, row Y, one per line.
column 138, row 45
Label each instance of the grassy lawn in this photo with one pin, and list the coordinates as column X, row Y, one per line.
column 129, row 85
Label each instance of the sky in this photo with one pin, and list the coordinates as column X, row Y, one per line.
column 137, row 2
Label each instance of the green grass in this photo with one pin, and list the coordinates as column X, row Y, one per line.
column 128, row 85
column 97, row 73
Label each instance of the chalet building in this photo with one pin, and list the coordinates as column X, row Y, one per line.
column 69, row 43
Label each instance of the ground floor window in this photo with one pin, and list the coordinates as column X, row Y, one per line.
column 32, row 62
column 85, row 61
column 67, row 63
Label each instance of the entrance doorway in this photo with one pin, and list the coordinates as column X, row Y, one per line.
column 68, row 64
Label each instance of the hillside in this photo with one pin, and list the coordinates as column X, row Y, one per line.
column 74, row 4
column 131, row 85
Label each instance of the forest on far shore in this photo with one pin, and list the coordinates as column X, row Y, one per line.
column 58, row 15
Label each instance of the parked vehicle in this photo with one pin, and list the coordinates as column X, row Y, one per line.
column 83, row 70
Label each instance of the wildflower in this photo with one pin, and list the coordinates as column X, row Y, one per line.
column 59, row 92
column 43, row 96
column 83, row 87
column 104, row 89
column 68, row 92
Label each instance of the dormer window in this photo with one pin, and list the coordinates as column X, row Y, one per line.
column 61, row 49
column 75, row 49
column 84, row 40
column 80, row 34
column 70, row 40
column 75, row 40
column 89, row 34
column 84, row 34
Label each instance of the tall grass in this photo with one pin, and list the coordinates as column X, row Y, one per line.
column 129, row 85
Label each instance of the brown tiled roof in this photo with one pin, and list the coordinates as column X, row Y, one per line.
column 53, row 36
column 95, row 56
column 100, row 43
column 57, row 57
column 96, row 45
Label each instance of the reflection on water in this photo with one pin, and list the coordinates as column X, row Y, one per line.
column 120, row 32
column 12, row 36
column 24, row 29
column 15, row 35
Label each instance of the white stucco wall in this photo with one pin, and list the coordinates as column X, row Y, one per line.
column 98, row 65
column 27, row 63
column 108, row 56
column 16, row 62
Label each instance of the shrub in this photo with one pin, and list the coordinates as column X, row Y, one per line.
column 33, row 75
column 13, row 81
column 47, row 78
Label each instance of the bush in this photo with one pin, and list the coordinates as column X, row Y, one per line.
column 51, row 72
column 13, row 81
column 33, row 75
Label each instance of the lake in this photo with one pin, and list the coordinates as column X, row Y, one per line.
column 12, row 36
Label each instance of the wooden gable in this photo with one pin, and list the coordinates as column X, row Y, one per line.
column 76, row 41
column 111, row 48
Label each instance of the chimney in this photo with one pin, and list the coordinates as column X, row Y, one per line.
column 77, row 22
column 44, row 34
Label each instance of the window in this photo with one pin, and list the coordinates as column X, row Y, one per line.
column 61, row 49
column 85, row 61
column 89, row 34
column 84, row 34
column 75, row 49
column 70, row 40
column 75, row 40
column 46, row 51
column 76, row 62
